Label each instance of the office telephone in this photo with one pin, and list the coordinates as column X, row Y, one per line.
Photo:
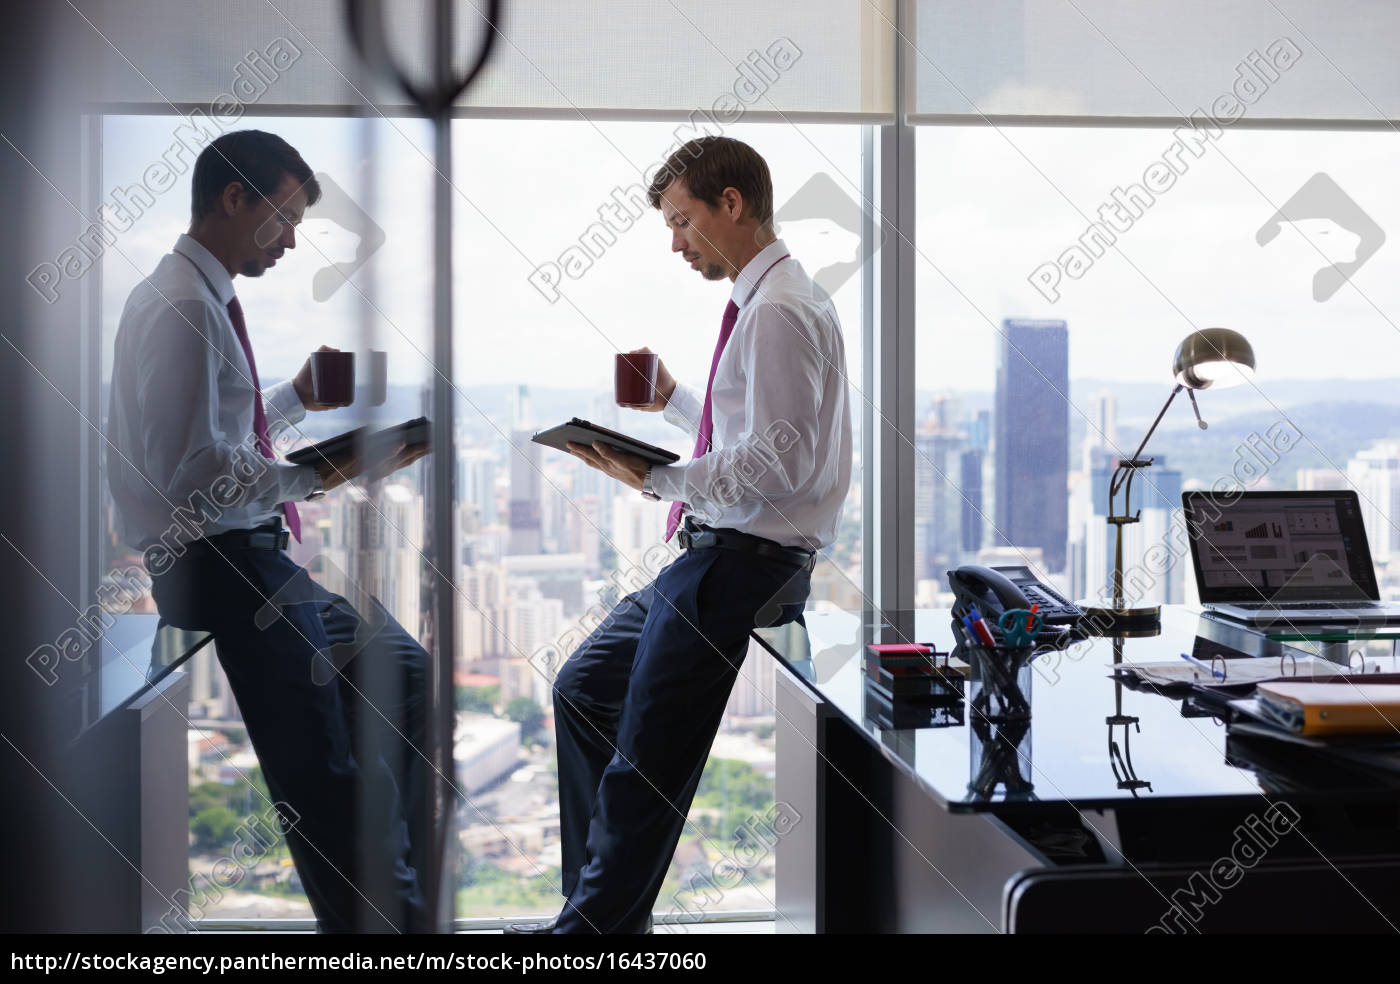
column 996, row 589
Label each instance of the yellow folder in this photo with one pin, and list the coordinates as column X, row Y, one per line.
column 1333, row 708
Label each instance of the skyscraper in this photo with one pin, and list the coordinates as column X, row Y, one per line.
column 526, row 481
column 1032, row 438
column 970, row 476
column 937, row 496
column 1156, row 500
column 1375, row 474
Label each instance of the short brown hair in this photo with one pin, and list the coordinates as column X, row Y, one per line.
column 253, row 158
column 711, row 164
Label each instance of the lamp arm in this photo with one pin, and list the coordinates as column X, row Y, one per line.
column 1120, row 473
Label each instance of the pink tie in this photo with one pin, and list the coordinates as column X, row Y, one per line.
column 235, row 313
column 707, row 424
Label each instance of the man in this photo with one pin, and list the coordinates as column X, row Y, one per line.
column 638, row 704
column 191, row 429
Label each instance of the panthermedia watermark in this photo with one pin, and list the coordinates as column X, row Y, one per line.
column 1332, row 222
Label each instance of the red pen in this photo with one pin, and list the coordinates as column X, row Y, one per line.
column 1031, row 617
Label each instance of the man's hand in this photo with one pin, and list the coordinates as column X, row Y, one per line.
column 301, row 383
column 665, row 385
column 628, row 469
column 339, row 469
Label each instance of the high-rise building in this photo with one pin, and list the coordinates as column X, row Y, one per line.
column 481, row 612
column 559, row 576
column 1157, row 501
column 937, row 496
column 526, row 494
column 1032, row 438
column 970, row 479
column 526, row 481
column 638, row 525
column 1102, row 429
column 476, row 482
column 377, row 544
column 1375, row 475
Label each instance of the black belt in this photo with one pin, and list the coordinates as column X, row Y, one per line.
column 693, row 536
column 263, row 538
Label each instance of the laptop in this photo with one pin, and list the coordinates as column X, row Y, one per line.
column 1284, row 559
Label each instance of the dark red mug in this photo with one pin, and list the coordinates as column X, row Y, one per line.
column 634, row 382
column 333, row 378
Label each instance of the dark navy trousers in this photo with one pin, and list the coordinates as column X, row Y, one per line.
column 636, row 708
column 334, row 704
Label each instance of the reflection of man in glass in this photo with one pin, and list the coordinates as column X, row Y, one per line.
column 191, row 430
column 638, row 704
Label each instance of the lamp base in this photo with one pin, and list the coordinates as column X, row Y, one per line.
column 1107, row 620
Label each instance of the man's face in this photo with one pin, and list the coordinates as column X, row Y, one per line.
column 698, row 231
column 266, row 227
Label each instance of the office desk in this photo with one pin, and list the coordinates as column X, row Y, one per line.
column 1117, row 809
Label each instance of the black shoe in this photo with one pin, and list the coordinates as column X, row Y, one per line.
column 535, row 927
column 548, row 927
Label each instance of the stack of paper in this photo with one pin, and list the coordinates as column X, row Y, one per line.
column 1238, row 672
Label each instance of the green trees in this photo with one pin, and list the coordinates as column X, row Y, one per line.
column 479, row 699
column 733, row 790
column 213, row 828
column 526, row 713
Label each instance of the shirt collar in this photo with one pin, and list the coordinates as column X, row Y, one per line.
column 212, row 269
column 747, row 282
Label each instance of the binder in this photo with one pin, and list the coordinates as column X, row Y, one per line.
column 1340, row 708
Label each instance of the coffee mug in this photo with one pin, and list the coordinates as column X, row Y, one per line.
column 635, row 378
column 376, row 371
column 333, row 378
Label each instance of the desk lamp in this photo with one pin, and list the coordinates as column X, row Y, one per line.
column 1211, row 357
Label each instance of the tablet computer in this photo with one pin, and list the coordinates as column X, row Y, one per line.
column 582, row 432
column 411, row 432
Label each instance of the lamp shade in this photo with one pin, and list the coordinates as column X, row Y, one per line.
column 1216, row 357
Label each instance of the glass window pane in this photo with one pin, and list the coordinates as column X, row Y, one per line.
column 1059, row 268
column 561, row 264
column 358, row 280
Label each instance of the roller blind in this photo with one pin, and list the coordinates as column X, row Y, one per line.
column 1278, row 59
column 817, row 57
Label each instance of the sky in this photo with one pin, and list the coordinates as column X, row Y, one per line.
column 992, row 205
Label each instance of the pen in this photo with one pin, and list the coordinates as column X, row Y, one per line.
column 979, row 627
column 1205, row 666
column 1031, row 617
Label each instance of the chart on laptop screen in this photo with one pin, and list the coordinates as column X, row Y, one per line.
column 1283, row 547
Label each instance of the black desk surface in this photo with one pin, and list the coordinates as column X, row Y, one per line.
column 1065, row 752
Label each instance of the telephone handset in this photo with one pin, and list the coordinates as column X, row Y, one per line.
column 990, row 591
column 995, row 590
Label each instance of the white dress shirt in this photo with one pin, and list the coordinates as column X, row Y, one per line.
column 180, row 420
column 779, row 464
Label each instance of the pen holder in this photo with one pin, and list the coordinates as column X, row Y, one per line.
column 1001, row 679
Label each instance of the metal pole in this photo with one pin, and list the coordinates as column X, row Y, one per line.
column 436, row 884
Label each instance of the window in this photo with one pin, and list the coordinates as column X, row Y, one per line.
column 547, row 547
column 1060, row 267
column 557, row 269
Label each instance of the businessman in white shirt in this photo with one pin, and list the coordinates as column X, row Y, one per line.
column 197, row 488
column 637, row 705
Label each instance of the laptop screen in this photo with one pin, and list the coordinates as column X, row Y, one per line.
column 1279, row 546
